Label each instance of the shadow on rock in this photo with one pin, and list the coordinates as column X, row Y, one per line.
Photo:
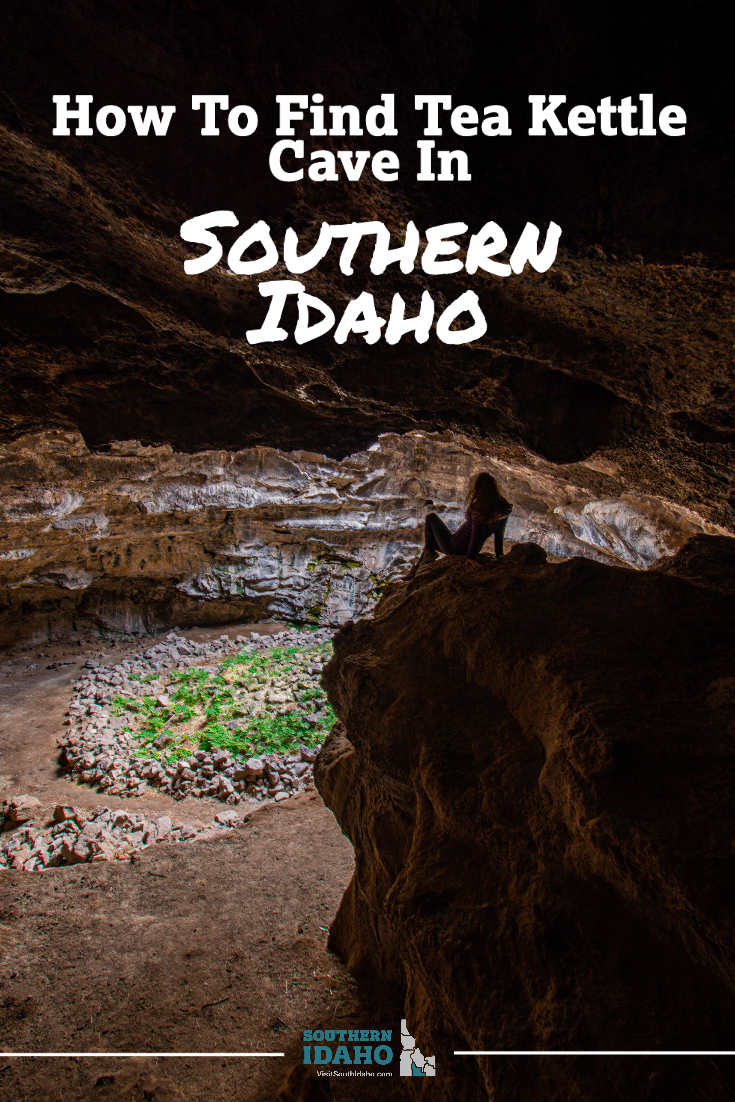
column 535, row 766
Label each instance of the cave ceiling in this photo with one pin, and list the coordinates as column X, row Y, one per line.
column 623, row 349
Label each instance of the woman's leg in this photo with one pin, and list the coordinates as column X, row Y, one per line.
column 498, row 534
column 437, row 535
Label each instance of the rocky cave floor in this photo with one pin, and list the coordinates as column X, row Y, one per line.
column 241, row 720
column 218, row 945
column 34, row 699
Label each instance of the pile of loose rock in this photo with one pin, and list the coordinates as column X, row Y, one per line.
column 71, row 836
column 100, row 752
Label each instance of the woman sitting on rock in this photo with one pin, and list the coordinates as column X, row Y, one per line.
column 486, row 515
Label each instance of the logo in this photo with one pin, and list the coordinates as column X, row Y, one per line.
column 364, row 1053
column 364, row 1047
column 412, row 1061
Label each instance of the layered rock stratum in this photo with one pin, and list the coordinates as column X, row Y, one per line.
column 618, row 357
column 544, row 839
column 135, row 538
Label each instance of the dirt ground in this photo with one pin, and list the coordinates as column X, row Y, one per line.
column 214, row 946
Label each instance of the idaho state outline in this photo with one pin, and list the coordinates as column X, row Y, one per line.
column 412, row 1062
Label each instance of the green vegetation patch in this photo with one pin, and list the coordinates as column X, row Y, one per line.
column 252, row 703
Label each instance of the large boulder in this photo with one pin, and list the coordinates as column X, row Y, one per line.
column 535, row 765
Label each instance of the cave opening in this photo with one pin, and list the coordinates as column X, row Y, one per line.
column 153, row 551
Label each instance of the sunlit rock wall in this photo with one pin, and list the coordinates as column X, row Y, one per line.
column 136, row 537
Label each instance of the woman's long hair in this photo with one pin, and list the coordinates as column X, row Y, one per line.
column 485, row 500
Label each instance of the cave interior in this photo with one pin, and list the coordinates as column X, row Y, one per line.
column 523, row 790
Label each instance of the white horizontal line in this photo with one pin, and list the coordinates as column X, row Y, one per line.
column 595, row 1052
column 130, row 1055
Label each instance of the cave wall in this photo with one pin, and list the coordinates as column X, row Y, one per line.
column 136, row 538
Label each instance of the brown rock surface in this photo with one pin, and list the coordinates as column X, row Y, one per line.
column 544, row 842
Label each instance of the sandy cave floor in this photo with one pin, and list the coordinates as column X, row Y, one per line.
column 211, row 946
